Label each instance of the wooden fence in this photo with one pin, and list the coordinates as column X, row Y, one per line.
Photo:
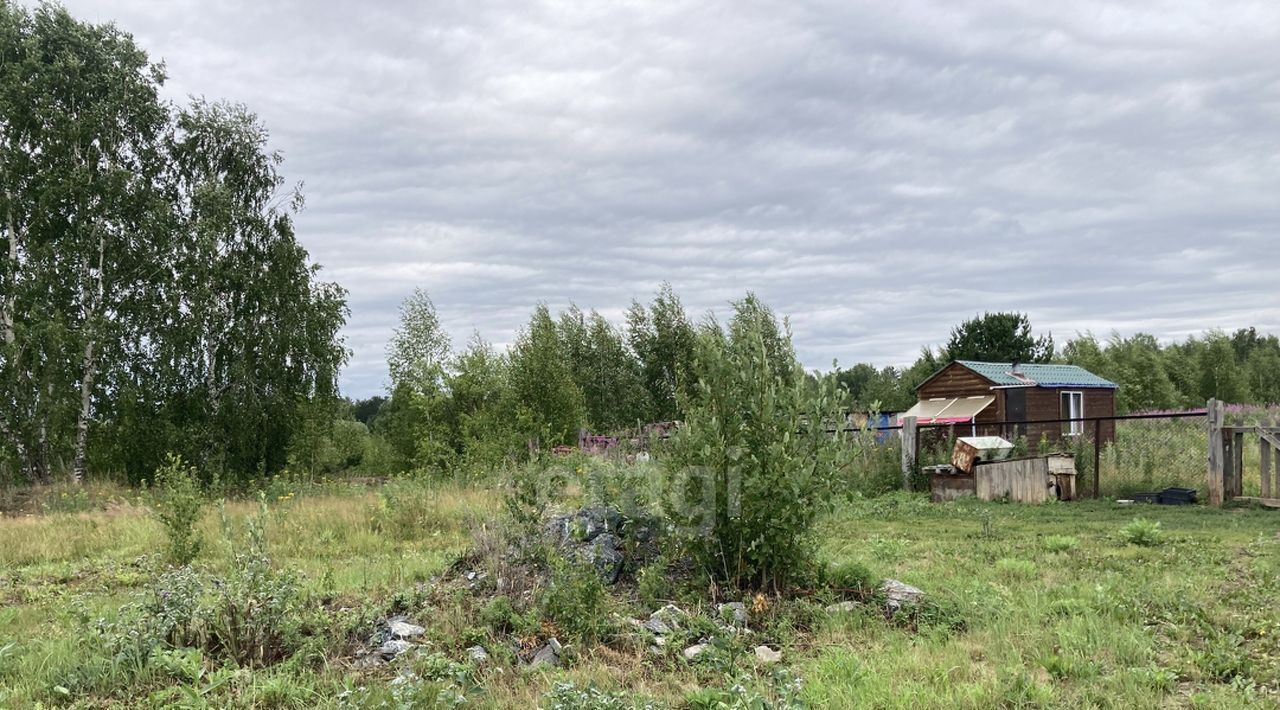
column 1227, row 456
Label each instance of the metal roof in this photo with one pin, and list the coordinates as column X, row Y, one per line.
column 1038, row 375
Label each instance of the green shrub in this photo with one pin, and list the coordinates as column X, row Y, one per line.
column 1143, row 532
column 253, row 616
column 567, row 696
column 529, row 492
column 1061, row 543
column 501, row 617
column 177, row 502
column 849, row 577
column 350, row 440
column 780, row 690
column 256, row 617
column 753, row 466
column 380, row 457
column 653, row 583
column 437, row 667
column 575, row 601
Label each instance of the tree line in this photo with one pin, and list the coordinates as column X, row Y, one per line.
column 564, row 372
column 576, row 370
column 1241, row 367
column 153, row 296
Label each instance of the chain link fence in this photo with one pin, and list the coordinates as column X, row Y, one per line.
column 1138, row 453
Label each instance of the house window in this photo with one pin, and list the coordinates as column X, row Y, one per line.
column 1072, row 408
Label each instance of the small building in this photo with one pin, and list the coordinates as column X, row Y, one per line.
column 1006, row 399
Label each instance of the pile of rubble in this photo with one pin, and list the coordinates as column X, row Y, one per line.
column 596, row 534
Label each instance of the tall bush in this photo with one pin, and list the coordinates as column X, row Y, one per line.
column 177, row 502
column 753, row 466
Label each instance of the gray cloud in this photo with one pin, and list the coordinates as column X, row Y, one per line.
column 877, row 171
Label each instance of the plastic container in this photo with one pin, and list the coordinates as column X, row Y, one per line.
column 1178, row 496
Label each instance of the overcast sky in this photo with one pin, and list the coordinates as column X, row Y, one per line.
column 876, row 173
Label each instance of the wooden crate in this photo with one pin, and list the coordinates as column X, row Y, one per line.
column 1063, row 469
column 970, row 452
column 945, row 486
column 1023, row 480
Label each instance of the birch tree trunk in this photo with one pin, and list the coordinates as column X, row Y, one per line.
column 7, row 326
column 89, row 368
column 11, row 293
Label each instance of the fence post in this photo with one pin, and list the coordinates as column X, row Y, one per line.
column 909, row 433
column 1217, row 459
column 1236, row 487
column 1097, row 458
column 1266, row 467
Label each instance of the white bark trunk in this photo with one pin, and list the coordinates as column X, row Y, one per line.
column 6, row 325
column 6, row 309
column 89, row 368
column 82, row 419
column 40, row 459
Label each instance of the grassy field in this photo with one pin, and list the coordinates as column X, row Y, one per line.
column 1051, row 606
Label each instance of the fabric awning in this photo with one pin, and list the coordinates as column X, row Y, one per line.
column 956, row 410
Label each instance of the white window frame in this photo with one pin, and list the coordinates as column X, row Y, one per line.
column 1073, row 428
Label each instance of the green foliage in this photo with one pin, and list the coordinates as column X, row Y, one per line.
column 255, row 614
column 433, row 681
column 1061, row 543
column 547, row 398
column 380, row 457
column 663, row 339
column 482, row 407
column 874, row 390
column 1220, row 374
column 568, row 696
column 653, row 582
column 419, row 348
column 348, row 441
column 608, row 373
column 400, row 425
column 1142, row 532
column 1240, row 368
column 998, row 337
column 1020, row 447
column 407, row 510
column 780, row 690
column 325, row 444
column 366, row 410
column 1016, row 569
column 178, row 501
column 529, row 491
column 753, row 466
column 501, row 617
column 849, row 576
column 252, row 616
column 575, row 601
column 417, row 420
column 163, row 303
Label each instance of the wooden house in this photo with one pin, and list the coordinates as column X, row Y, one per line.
column 1006, row 399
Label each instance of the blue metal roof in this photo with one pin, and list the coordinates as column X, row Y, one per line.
column 1038, row 375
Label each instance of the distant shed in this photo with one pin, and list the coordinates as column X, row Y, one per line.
column 1004, row 399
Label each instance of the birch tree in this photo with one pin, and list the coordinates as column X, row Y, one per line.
column 79, row 131
column 153, row 296
column 663, row 338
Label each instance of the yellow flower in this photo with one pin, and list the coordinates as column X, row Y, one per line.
column 759, row 604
